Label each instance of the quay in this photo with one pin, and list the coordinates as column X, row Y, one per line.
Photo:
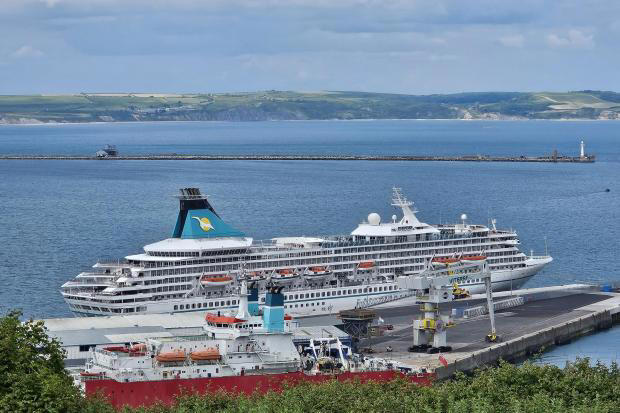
column 278, row 157
column 548, row 317
column 539, row 318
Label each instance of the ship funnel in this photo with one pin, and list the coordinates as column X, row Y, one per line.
column 273, row 310
column 198, row 219
column 253, row 299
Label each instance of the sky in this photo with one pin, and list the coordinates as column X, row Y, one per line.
column 396, row 46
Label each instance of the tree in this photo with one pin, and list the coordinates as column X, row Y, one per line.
column 32, row 373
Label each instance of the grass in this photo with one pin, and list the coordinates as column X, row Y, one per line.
column 312, row 105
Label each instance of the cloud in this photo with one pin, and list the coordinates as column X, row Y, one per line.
column 573, row 39
column 382, row 45
column 512, row 41
column 26, row 51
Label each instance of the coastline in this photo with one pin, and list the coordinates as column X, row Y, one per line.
column 3, row 124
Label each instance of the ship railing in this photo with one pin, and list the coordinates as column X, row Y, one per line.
column 90, row 282
column 113, row 262
column 538, row 257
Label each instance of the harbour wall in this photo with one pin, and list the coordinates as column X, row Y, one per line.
column 175, row 157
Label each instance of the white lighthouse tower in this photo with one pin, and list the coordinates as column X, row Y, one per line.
column 582, row 150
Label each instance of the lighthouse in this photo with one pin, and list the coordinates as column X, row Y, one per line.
column 582, row 150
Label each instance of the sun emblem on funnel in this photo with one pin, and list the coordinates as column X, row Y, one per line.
column 205, row 224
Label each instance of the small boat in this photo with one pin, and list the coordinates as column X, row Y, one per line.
column 366, row 265
column 117, row 349
column 317, row 273
column 256, row 276
column 205, row 354
column 216, row 280
column 284, row 275
column 445, row 260
column 171, row 356
column 96, row 375
column 474, row 258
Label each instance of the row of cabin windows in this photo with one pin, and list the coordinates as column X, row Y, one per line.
column 312, row 304
column 350, row 291
column 205, row 305
column 302, row 254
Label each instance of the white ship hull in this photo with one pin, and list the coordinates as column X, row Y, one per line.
column 361, row 268
column 503, row 280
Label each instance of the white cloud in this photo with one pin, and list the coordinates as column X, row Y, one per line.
column 512, row 41
column 50, row 3
column 26, row 51
column 574, row 38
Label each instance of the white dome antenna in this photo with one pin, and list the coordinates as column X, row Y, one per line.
column 374, row 219
column 463, row 218
column 394, row 218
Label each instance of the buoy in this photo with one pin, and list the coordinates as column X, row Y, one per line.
column 607, row 190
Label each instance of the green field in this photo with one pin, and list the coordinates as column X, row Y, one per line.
column 283, row 105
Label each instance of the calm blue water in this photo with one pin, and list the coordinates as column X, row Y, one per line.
column 57, row 218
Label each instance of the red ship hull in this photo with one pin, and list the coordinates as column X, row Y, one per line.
column 146, row 393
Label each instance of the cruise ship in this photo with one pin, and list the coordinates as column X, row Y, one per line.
column 201, row 267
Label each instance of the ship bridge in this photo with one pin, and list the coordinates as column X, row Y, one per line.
column 407, row 225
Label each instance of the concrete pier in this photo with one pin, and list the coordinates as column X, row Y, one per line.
column 542, row 318
column 302, row 157
column 549, row 317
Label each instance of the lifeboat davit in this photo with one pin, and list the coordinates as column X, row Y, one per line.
column 216, row 280
column 171, row 356
column 366, row 265
column 474, row 258
column 205, row 354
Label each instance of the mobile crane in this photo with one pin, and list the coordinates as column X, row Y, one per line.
column 434, row 286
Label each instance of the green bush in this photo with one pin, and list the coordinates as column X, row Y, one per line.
column 33, row 379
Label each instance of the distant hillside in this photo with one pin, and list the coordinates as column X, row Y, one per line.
column 277, row 105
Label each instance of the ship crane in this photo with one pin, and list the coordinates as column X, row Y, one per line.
column 434, row 286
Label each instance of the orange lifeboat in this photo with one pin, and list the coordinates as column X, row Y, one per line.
column 445, row 260
column 216, row 280
column 257, row 275
column 117, row 349
column 171, row 356
column 474, row 258
column 366, row 265
column 284, row 275
column 317, row 273
column 205, row 355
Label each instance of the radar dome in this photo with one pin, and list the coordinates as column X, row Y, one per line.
column 374, row 219
column 394, row 218
column 463, row 217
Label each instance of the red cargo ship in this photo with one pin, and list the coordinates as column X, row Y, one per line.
column 250, row 351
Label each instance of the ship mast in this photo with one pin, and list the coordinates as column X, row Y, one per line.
column 400, row 201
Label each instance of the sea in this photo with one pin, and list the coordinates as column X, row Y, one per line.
column 59, row 217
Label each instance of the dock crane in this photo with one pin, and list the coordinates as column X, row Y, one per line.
column 434, row 286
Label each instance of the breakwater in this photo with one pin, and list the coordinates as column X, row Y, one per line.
column 277, row 157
